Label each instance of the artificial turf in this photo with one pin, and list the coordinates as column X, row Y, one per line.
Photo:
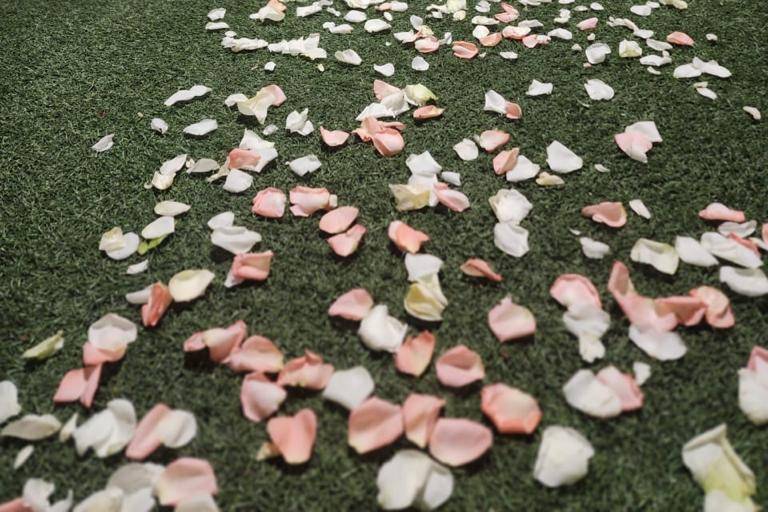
column 73, row 71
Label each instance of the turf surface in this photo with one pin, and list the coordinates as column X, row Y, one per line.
column 74, row 71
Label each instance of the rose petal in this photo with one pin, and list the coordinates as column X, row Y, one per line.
column 373, row 424
column 338, row 219
column 720, row 212
column 611, row 214
column 307, row 371
column 511, row 410
column 414, row 355
column 718, row 311
column 184, row 478
column 459, row 367
column 585, row 392
column 80, row 384
column 349, row 388
column 260, row 398
column 305, row 200
column 269, row 203
column 420, row 413
column 345, row 244
column 571, row 289
column 159, row 301
column 508, row 321
column 353, row 305
column 563, row 457
column 476, row 267
column 456, row 442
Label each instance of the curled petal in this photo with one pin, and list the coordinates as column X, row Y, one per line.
column 159, row 301
column 269, row 203
column 344, row 244
column 634, row 144
column 184, row 478
column 222, row 341
column 305, row 200
column 624, row 386
column 307, row 371
column 680, row 39
column 640, row 310
column 456, row 442
column 338, row 220
column 459, row 366
column 476, row 267
column 688, row 310
column 373, row 424
column 427, row 112
column 511, row 410
column 353, row 305
column 611, row 214
column 720, row 212
column 464, row 49
column 415, row 353
column 508, row 321
column 420, row 413
column 260, row 397
column 251, row 266
column 718, row 312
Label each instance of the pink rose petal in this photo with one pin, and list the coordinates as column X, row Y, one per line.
column 508, row 321
column 569, row 289
column 505, row 161
column 80, row 384
column 184, row 478
column 333, row 138
column 427, row 112
column 456, row 442
column 510, row 410
column 719, row 313
column 514, row 111
column 256, row 354
column 641, row 311
column 515, row 33
column 680, row 39
column 420, row 413
column 252, row 266
column 353, row 305
column 93, row 356
column 405, row 237
column 16, row 505
column 338, row 219
column 688, row 310
column 305, row 200
column 382, row 89
column 718, row 212
column 609, row 213
column 758, row 354
column 345, row 244
column 624, row 386
column 159, row 301
column 634, row 144
column 269, row 203
column 415, row 353
column 427, row 45
column 373, row 424
column 491, row 140
column 294, row 435
column 451, row 199
column 491, row 39
column 307, row 371
column 476, row 267
column 245, row 159
column 260, row 398
column 587, row 24
column 145, row 439
column 459, row 366
column 464, row 49
column 221, row 342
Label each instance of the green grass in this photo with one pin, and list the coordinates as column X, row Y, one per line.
column 73, row 71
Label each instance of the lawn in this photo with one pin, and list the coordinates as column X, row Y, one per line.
column 73, row 71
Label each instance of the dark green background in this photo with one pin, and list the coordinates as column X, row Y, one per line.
column 74, row 71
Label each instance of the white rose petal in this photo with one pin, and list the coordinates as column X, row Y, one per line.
column 662, row 257
column 161, row 226
column 561, row 159
column 563, row 457
column 305, row 165
column 692, row 252
column 235, row 239
column 511, row 238
column 237, row 181
column 523, row 170
column 188, row 285
column 539, row 88
column 749, row 282
column 104, row 144
column 420, row 266
column 9, row 401
column 661, row 345
column 349, row 388
column 387, row 69
column 510, row 205
column 159, row 125
column 585, row 392
column 184, row 95
column 201, row 128
column 412, row 478
column 599, row 90
column 379, row 331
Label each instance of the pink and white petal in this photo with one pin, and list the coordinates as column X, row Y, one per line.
column 427, row 112
column 456, row 442
column 464, row 49
column 145, row 439
column 345, row 244
column 420, row 413
column 269, row 203
column 222, row 341
column 609, row 213
column 256, row 354
column 505, row 161
column 634, row 144
column 509, row 321
column 307, row 371
column 451, row 199
column 680, row 39
column 353, row 305
column 720, row 212
column 373, row 424
column 511, row 410
column 571, row 289
column 252, row 266
column 306, row 200
column 338, row 219
column 459, row 367
column 294, row 435
column 405, row 237
column 415, row 353
column 719, row 313
column 333, row 138
column 184, row 478
column 624, row 386
column 260, row 398
column 476, row 267
column 688, row 310
column 491, row 140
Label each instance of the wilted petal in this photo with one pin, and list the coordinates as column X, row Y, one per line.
column 373, row 424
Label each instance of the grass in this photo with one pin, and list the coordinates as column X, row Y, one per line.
column 74, row 71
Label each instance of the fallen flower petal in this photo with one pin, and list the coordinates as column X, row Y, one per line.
column 624, row 386
column 573, row 289
column 373, row 424
column 508, row 321
column 349, row 388
column 333, row 138
column 269, row 203
column 305, row 200
column 415, row 353
column 563, row 457
column 405, row 237
column 260, row 398
column 307, row 371
column 476, row 267
column 188, row 285
column 611, row 214
column 184, row 478
column 412, row 478
column 255, row 354
column 80, row 384
column 456, row 442
column 344, row 244
column 511, row 410
column 353, row 305
column 159, row 301
column 420, row 413
column 338, row 220
column 459, row 367
column 380, row 331
column 720, row 212
column 718, row 313
column 32, row 427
